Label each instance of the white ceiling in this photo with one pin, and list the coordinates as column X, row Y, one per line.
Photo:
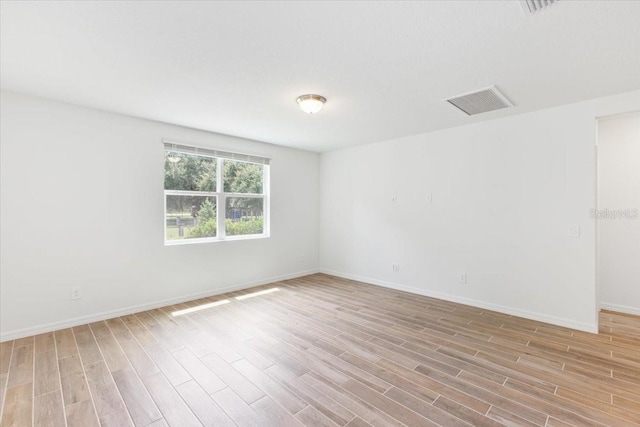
column 385, row 67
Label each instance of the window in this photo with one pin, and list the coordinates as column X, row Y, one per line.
column 212, row 195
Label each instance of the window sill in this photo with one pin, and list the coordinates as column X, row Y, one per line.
column 214, row 240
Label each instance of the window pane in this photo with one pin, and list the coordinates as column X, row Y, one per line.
column 241, row 177
column 189, row 172
column 190, row 217
column 244, row 215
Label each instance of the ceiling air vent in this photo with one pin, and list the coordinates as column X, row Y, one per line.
column 480, row 101
column 532, row 6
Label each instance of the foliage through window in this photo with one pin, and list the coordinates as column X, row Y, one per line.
column 214, row 195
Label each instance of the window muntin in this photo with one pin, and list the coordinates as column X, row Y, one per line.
column 196, row 183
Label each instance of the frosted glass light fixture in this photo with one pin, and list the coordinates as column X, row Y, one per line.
column 173, row 157
column 310, row 103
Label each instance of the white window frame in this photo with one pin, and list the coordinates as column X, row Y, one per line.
column 220, row 196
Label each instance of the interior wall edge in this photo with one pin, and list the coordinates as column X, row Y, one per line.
column 77, row 321
column 558, row 321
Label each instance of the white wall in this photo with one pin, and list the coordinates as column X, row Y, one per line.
column 504, row 193
column 82, row 206
column 619, row 213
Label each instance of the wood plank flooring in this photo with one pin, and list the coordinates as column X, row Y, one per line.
column 323, row 351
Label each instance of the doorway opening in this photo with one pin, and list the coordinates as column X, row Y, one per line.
column 617, row 217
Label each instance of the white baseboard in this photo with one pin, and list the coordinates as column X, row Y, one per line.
column 77, row 321
column 559, row 321
column 620, row 308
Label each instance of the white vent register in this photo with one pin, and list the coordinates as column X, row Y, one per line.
column 481, row 101
column 533, row 6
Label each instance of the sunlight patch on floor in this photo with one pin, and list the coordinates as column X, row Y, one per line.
column 200, row 307
column 256, row 294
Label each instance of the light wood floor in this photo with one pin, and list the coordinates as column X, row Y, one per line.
column 324, row 351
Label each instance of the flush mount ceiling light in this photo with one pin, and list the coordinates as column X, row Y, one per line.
column 310, row 103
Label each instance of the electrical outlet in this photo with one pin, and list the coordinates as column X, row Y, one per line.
column 429, row 198
column 395, row 267
column 75, row 293
column 574, row 231
column 394, row 199
column 462, row 278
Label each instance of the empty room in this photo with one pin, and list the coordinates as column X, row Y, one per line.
column 320, row 213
